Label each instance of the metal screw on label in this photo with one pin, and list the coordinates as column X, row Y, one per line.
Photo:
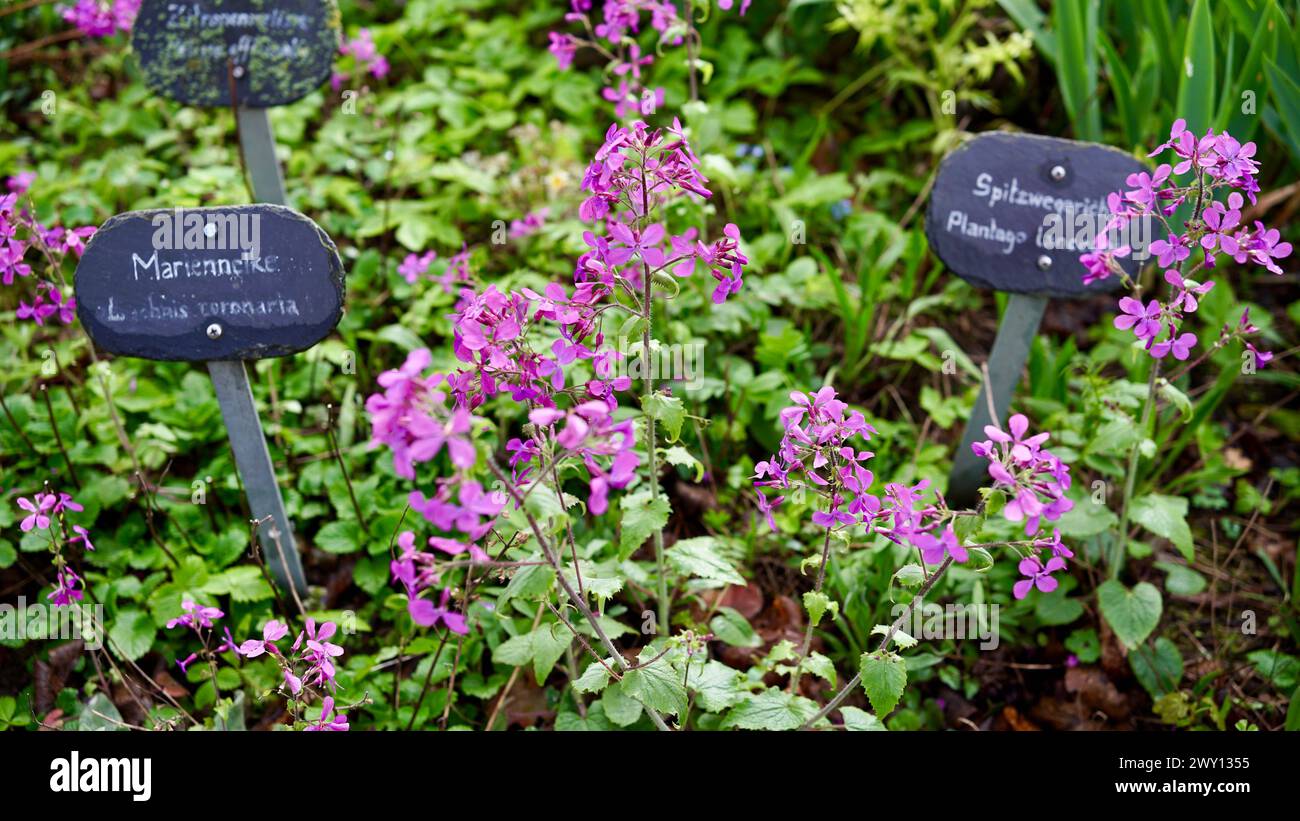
column 1058, row 172
column 1044, row 262
column 214, row 331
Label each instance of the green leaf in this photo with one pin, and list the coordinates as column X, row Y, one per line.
column 818, row 604
column 717, row 687
column 1287, row 94
column 641, row 517
column 1160, row 669
column 1055, row 608
column 820, row 666
column 679, row 456
column 1177, row 398
column 529, row 581
column 734, row 629
column 132, row 633
column 859, row 720
column 340, row 536
column 698, row 557
column 1165, row 516
column 100, row 714
column 1197, row 86
column 620, row 707
column 1279, row 668
column 772, row 709
column 1182, row 580
column 242, row 584
column 543, row 647
column 1132, row 614
column 594, row 679
column 1084, row 644
column 658, row 686
column 884, row 675
column 666, row 410
column 909, row 575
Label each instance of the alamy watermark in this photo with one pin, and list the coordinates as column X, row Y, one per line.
column 950, row 621
column 23, row 622
column 208, row 230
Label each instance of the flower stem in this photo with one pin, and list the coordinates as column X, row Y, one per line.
column 893, row 628
column 807, row 636
column 1120, row 547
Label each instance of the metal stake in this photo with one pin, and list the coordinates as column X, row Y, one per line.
column 1010, row 350
column 235, row 395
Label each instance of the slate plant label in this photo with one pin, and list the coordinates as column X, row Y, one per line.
column 198, row 284
column 1013, row 212
column 277, row 51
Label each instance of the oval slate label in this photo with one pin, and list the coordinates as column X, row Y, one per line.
column 277, row 51
column 1013, row 212
column 195, row 284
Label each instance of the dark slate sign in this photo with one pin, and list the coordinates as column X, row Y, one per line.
column 196, row 284
column 275, row 51
column 1013, row 212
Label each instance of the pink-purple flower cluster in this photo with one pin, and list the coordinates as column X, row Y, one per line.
column 1218, row 164
column 636, row 171
column 613, row 36
column 101, row 18
column 818, row 452
column 1036, row 482
column 48, row 511
column 20, row 233
column 366, row 59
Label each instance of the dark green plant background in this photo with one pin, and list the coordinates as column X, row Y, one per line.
column 852, row 104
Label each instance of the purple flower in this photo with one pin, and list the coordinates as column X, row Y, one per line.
column 1180, row 345
column 1039, row 575
column 67, row 587
column 37, row 518
column 1171, row 251
column 1145, row 322
column 339, row 723
column 195, row 616
column 933, row 550
column 424, row 613
column 272, row 632
column 83, row 536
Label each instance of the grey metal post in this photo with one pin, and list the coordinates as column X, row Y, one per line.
column 235, row 395
column 1006, row 361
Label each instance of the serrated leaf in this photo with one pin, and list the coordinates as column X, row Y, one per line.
column 667, row 411
column 717, row 686
column 901, row 637
column 594, row 678
column 818, row 604
column 699, row 557
column 884, row 676
column 657, row 686
column 132, row 633
column 642, row 516
column 820, row 666
column 772, row 709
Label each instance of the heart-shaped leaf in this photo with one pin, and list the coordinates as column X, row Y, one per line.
column 1132, row 614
